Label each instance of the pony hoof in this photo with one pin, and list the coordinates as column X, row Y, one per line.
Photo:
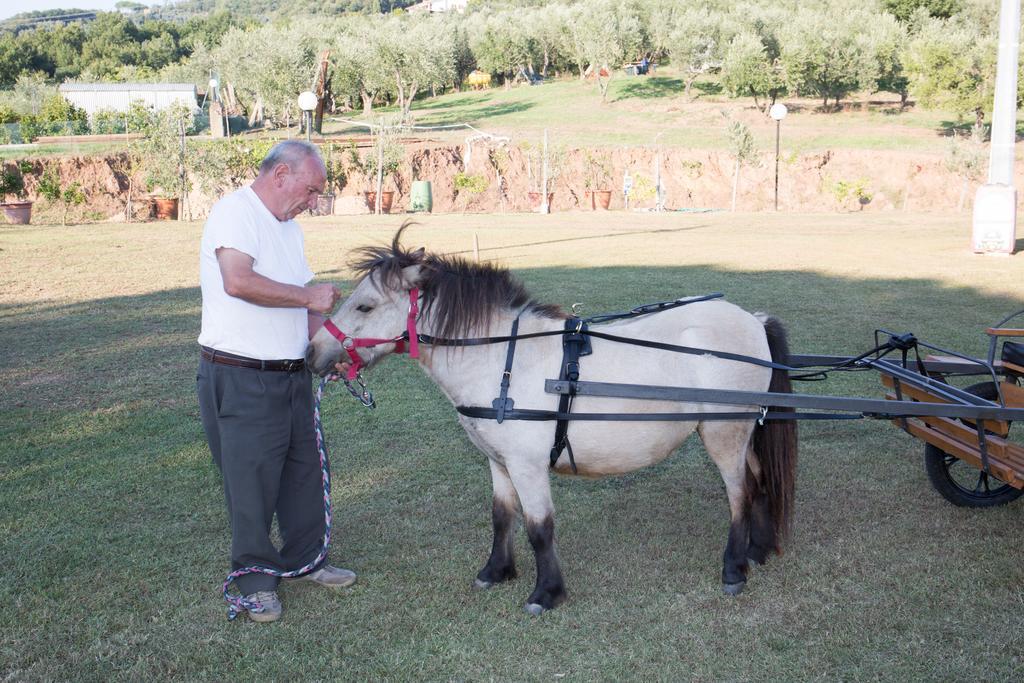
column 733, row 588
column 535, row 609
column 483, row 585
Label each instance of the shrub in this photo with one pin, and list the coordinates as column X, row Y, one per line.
column 107, row 122
column 12, row 183
column 51, row 188
column 469, row 183
column 852, row 189
column 60, row 117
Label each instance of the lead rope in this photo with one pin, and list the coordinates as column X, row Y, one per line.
column 236, row 602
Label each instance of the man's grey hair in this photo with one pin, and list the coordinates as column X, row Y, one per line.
column 291, row 153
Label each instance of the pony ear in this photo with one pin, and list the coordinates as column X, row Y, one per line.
column 412, row 276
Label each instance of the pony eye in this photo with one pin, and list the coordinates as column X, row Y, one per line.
column 363, row 308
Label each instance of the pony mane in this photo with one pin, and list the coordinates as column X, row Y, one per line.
column 461, row 296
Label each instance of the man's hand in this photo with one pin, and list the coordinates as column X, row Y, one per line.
column 322, row 297
column 341, row 367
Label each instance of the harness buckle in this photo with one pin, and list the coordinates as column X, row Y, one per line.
column 577, row 308
column 764, row 414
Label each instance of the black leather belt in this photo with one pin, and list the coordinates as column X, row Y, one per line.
column 223, row 358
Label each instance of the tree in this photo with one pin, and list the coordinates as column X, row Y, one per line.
column 697, row 44
column 111, row 40
column 51, row 188
column 609, row 33
column 360, row 70
column 828, row 54
column 747, row 70
column 417, row 55
column 542, row 27
column 268, row 66
column 14, row 59
column 903, row 9
column 953, row 67
column 743, row 150
column 966, row 158
column 888, row 39
column 499, row 43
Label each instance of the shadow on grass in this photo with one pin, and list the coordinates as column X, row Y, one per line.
column 965, row 128
column 650, row 87
column 707, row 87
column 475, row 115
column 465, row 100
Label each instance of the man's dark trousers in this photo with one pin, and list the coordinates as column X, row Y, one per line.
column 259, row 425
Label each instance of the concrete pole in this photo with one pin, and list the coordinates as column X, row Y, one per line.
column 995, row 205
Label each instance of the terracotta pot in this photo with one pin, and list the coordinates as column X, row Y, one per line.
column 324, row 205
column 166, row 208
column 17, row 213
column 599, row 199
column 536, row 198
column 386, row 198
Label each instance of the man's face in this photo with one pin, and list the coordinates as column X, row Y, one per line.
column 300, row 186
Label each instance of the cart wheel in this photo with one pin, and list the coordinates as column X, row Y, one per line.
column 963, row 484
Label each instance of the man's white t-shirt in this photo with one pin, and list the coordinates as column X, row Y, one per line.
column 241, row 221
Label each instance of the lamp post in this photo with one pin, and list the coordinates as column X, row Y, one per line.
column 218, row 110
column 307, row 103
column 777, row 112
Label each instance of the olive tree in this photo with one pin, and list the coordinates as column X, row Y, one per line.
column 268, row 66
column 419, row 55
column 953, row 67
column 359, row 50
column 749, row 71
column 888, row 38
column 743, row 151
column 608, row 33
column 499, row 42
column 697, row 43
column 828, row 54
column 543, row 29
column 966, row 158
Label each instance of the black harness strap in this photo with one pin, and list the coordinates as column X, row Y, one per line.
column 575, row 343
column 532, row 415
column 503, row 403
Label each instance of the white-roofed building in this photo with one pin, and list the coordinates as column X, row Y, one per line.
column 119, row 96
column 438, row 6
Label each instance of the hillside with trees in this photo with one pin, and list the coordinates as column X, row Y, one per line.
column 940, row 52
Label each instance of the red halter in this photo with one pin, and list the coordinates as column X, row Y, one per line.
column 350, row 344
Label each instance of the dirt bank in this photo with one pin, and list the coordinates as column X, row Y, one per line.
column 499, row 179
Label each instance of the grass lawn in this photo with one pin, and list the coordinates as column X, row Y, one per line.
column 642, row 108
column 115, row 541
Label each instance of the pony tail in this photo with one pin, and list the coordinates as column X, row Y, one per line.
column 775, row 442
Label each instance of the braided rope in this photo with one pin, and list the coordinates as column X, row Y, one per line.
column 237, row 603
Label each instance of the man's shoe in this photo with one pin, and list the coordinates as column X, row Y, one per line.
column 332, row 577
column 271, row 606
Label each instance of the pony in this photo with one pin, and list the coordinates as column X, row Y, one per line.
column 440, row 299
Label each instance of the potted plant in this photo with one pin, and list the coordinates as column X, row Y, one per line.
column 597, row 179
column 335, row 167
column 161, row 160
column 380, row 163
column 12, row 183
column 538, row 174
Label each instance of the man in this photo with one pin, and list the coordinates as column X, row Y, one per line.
column 255, row 394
